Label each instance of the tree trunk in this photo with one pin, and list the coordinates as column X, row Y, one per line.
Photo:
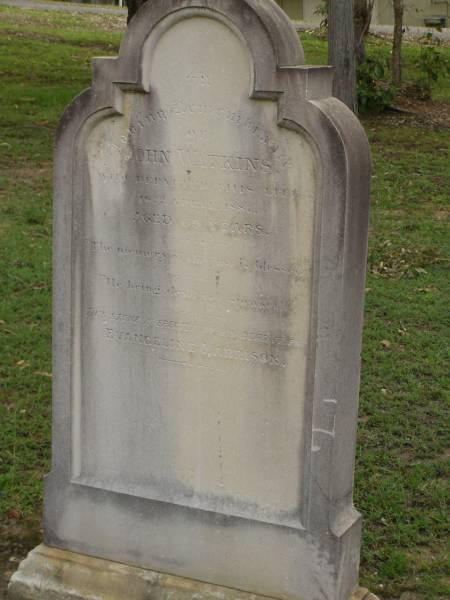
column 397, row 44
column 133, row 7
column 363, row 17
column 341, row 51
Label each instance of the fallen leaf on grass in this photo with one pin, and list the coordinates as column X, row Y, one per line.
column 9, row 331
column 43, row 373
column 13, row 513
column 22, row 364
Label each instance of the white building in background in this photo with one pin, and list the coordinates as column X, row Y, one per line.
column 417, row 12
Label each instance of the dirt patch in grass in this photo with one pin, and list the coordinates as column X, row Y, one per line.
column 17, row 537
column 30, row 174
column 57, row 39
column 52, row 20
column 442, row 215
column 429, row 113
column 35, row 177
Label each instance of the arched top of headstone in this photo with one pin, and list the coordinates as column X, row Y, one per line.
column 263, row 27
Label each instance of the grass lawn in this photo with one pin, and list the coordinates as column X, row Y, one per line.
column 403, row 445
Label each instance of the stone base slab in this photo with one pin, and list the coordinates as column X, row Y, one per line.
column 52, row 574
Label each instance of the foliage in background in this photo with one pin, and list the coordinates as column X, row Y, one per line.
column 375, row 91
column 402, row 457
column 378, row 81
column 432, row 64
column 322, row 11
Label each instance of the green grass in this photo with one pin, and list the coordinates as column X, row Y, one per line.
column 45, row 60
column 403, row 451
column 403, row 445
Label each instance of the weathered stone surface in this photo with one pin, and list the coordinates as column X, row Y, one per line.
column 52, row 574
column 211, row 204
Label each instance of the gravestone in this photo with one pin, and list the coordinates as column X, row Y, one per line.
column 211, row 204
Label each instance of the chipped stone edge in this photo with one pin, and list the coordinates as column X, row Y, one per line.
column 53, row 574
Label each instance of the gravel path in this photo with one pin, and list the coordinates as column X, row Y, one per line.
column 65, row 7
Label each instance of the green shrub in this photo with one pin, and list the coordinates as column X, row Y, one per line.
column 375, row 91
column 432, row 64
column 322, row 11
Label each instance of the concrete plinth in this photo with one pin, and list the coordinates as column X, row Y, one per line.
column 51, row 574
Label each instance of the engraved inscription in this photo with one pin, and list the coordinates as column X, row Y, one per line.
column 191, row 157
column 195, row 262
column 297, row 269
column 199, row 78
